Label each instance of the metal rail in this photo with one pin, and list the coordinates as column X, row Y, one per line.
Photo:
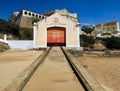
column 88, row 82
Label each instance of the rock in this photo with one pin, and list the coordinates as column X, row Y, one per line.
column 87, row 49
column 98, row 46
column 4, row 46
column 108, row 52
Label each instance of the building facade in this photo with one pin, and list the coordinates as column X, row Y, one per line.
column 99, row 26
column 59, row 28
column 110, row 27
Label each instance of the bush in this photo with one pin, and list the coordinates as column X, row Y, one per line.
column 106, row 34
column 15, row 31
column 8, row 28
column 113, row 42
column 26, row 33
column 34, row 19
column 3, row 26
column 86, row 41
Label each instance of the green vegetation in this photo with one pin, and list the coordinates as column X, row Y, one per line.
column 7, row 28
column 110, row 43
column 106, row 34
column 25, row 33
column 87, row 29
column 113, row 42
column 34, row 19
column 15, row 30
column 86, row 41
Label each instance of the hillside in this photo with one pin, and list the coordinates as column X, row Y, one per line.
column 14, row 32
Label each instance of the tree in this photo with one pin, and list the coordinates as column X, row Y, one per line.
column 87, row 29
column 86, row 41
column 3, row 26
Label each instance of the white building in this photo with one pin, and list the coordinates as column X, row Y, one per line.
column 59, row 28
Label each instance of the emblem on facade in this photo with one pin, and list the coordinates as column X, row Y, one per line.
column 56, row 20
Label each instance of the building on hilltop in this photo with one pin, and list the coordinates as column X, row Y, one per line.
column 25, row 18
column 110, row 27
column 99, row 26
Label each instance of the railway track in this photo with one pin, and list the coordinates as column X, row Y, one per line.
column 55, row 70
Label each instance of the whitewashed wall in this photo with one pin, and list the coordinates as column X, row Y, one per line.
column 20, row 44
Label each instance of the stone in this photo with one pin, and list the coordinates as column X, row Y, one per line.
column 98, row 46
column 4, row 46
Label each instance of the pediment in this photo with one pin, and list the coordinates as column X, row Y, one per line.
column 56, row 19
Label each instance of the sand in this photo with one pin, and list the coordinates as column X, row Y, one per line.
column 105, row 70
column 13, row 62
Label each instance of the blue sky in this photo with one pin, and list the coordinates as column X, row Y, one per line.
column 89, row 11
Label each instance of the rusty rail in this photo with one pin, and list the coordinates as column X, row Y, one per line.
column 88, row 82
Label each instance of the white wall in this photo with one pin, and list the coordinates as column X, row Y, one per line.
column 20, row 44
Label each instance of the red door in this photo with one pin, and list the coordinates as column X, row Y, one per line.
column 56, row 36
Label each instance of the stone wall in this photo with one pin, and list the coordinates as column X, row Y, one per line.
column 24, row 18
column 26, row 22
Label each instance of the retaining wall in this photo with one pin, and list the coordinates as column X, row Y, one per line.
column 20, row 44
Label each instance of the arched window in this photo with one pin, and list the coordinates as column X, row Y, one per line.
column 37, row 16
column 33, row 14
column 25, row 12
column 40, row 16
column 29, row 13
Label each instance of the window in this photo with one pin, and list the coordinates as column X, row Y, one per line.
column 33, row 14
column 113, row 28
column 42, row 17
column 36, row 15
column 113, row 24
column 39, row 16
column 29, row 13
column 25, row 12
